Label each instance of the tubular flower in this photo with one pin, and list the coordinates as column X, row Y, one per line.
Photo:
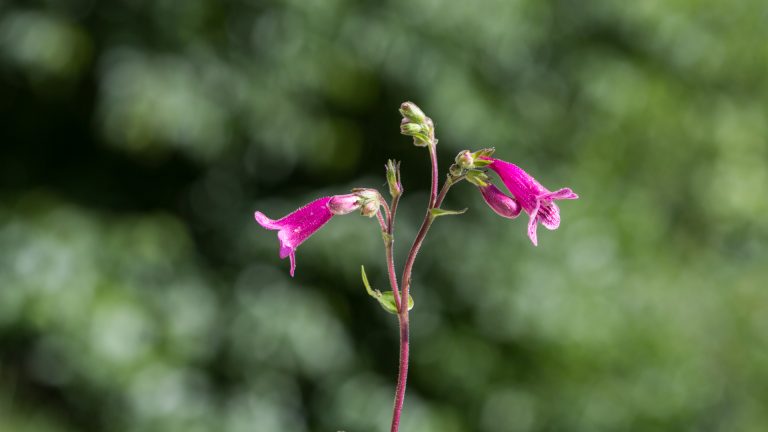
column 498, row 201
column 534, row 198
column 295, row 228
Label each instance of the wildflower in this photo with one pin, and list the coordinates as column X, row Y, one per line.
column 501, row 203
column 295, row 228
column 534, row 198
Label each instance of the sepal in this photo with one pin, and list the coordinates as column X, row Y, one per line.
column 477, row 178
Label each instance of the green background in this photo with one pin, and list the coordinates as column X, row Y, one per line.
column 138, row 137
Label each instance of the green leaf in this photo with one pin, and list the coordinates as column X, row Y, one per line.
column 443, row 212
column 386, row 299
column 367, row 284
column 387, row 302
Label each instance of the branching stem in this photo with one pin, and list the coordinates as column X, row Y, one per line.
column 435, row 200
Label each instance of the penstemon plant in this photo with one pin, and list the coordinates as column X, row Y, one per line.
column 526, row 194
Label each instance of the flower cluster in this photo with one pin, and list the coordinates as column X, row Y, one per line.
column 525, row 193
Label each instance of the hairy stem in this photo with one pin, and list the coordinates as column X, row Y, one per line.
column 422, row 234
column 435, row 200
column 402, row 374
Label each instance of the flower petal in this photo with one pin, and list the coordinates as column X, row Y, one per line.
column 501, row 203
column 298, row 226
column 532, row 225
column 520, row 184
column 286, row 246
column 293, row 263
column 266, row 222
column 549, row 215
column 564, row 193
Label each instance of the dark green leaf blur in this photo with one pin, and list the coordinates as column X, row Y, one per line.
column 137, row 138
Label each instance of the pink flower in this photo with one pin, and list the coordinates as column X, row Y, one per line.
column 295, row 228
column 534, row 198
column 501, row 203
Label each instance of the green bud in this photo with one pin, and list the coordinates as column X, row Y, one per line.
column 455, row 170
column 393, row 178
column 410, row 128
column 412, row 112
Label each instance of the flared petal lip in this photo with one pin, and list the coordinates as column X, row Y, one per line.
column 266, row 222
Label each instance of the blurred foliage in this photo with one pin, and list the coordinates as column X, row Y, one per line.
column 138, row 137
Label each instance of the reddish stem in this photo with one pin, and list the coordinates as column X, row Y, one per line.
column 434, row 201
column 402, row 375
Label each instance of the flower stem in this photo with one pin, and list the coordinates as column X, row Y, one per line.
column 389, row 241
column 402, row 374
column 435, row 200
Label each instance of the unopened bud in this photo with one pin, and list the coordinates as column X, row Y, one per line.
column 412, row 112
column 393, row 178
column 410, row 128
column 465, row 160
column 343, row 204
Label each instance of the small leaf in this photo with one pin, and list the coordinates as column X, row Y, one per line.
column 443, row 212
column 367, row 284
column 385, row 299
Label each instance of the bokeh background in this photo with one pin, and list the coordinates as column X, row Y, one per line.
column 137, row 138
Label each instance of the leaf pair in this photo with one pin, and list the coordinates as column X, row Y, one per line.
column 386, row 299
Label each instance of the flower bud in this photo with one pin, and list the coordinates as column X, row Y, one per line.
column 465, row 160
column 412, row 112
column 410, row 128
column 393, row 178
column 344, row 204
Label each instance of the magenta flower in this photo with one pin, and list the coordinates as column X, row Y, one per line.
column 503, row 204
column 295, row 228
column 534, row 198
